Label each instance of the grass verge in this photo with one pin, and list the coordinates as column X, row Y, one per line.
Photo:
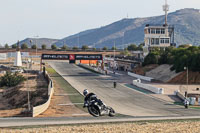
column 67, row 87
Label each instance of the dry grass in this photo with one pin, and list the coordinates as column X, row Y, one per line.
column 141, row 127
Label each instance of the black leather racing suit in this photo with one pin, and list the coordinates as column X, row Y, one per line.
column 91, row 96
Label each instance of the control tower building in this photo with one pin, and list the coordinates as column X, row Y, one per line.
column 158, row 35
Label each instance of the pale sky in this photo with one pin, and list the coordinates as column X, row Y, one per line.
column 57, row 19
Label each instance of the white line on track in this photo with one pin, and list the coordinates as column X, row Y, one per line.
column 70, row 104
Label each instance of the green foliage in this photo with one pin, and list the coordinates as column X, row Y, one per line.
column 75, row 48
column 178, row 57
column 44, row 46
column 134, row 47
column 151, row 58
column 6, row 46
column 34, row 46
column 105, row 48
column 140, row 47
column 54, row 47
column 64, row 47
column 14, row 46
column 94, row 49
column 85, row 47
column 10, row 79
column 114, row 48
column 24, row 46
column 125, row 52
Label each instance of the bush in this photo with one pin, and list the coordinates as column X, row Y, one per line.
column 10, row 79
column 24, row 46
column 53, row 47
column 151, row 58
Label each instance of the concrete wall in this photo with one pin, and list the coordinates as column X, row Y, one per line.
column 180, row 95
column 41, row 108
column 148, row 87
column 140, row 76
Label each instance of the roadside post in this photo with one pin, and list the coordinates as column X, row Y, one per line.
column 114, row 84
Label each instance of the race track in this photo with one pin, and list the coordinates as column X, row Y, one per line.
column 124, row 100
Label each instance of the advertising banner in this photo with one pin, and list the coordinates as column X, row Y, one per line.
column 71, row 56
column 88, row 57
column 55, row 56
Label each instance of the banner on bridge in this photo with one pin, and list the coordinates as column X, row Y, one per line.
column 55, row 56
column 88, row 57
column 71, row 56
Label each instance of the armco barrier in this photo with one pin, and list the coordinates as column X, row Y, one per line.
column 41, row 108
column 140, row 76
column 148, row 87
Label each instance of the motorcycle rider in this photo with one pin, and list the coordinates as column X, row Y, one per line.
column 186, row 103
column 89, row 97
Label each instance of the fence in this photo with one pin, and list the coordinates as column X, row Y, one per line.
column 41, row 108
column 140, row 76
column 148, row 87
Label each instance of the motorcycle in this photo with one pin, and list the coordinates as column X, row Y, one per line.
column 96, row 110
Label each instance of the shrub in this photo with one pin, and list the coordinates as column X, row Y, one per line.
column 11, row 79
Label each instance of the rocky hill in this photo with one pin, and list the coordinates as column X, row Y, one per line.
column 126, row 31
column 39, row 41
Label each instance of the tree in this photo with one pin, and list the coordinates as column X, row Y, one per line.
column 125, row 53
column 85, row 47
column 34, row 46
column 75, row 48
column 105, row 48
column 53, row 47
column 114, row 48
column 24, row 46
column 14, row 46
column 151, row 58
column 44, row 46
column 132, row 47
column 6, row 46
column 140, row 47
column 94, row 49
column 64, row 47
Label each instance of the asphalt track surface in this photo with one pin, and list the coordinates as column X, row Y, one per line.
column 124, row 100
column 138, row 106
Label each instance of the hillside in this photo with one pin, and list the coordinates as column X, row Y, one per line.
column 39, row 41
column 126, row 31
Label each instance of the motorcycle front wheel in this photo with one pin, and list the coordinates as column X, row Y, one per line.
column 111, row 112
column 94, row 110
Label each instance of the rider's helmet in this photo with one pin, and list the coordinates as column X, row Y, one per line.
column 85, row 92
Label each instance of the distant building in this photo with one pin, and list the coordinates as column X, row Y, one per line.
column 160, row 36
